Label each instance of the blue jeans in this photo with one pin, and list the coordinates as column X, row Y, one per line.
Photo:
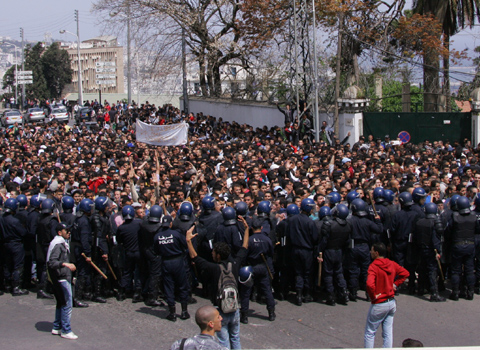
column 64, row 313
column 229, row 336
column 380, row 314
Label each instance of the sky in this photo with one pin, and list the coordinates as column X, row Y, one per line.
column 39, row 17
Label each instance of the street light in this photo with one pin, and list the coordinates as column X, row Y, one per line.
column 129, row 61
column 80, row 90
column 16, row 65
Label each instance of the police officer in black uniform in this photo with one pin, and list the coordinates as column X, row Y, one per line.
column 229, row 231
column 171, row 245
column 148, row 229
column 33, row 217
column 358, row 253
column 335, row 235
column 264, row 209
column 477, row 247
column 419, row 196
column 427, row 233
column 283, row 267
column 184, row 218
column 101, row 229
column 183, row 221
column 402, row 239
column 46, row 231
column 82, row 243
column 464, row 228
column 377, row 207
column 241, row 208
column 67, row 215
column 389, row 209
column 303, row 235
column 29, row 242
column 260, row 257
column 13, row 234
column 127, row 235
column 207, row 226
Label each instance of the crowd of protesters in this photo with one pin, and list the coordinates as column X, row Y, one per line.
column 227, row 161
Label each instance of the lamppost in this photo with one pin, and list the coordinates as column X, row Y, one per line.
column 80, row 90
column 16, row 70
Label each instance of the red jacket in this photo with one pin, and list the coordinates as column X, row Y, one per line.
column 381, row 276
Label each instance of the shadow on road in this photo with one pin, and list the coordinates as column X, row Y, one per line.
column 157, row 313
column 44, row 326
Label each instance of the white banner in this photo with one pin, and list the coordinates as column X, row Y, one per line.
column 162, row 135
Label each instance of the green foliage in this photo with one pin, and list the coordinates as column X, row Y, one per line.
column 392, row 97
column 50, row 69
column 9, row 79
column 33, row 62
column 56, row 69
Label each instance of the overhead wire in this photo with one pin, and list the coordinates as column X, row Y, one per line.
column 411, row 61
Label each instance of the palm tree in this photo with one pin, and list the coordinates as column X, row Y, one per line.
column 453, row 15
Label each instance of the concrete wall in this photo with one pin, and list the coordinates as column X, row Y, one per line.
column 350, row 122
column 475, row 128
column 258, row 114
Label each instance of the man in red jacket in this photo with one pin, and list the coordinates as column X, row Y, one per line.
column 384, row 277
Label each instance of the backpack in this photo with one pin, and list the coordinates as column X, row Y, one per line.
column 227, row 292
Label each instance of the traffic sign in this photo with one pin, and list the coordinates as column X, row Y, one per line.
column 105, row 82
column 404, row 136
column 24, row 72
column 106, row 76
column 105, row 70
column 25, row 82
column 105, row 64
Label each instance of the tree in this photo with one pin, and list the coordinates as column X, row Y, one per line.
column 9, row 80
column 56, row 70
column 216, row 32
column 392, row 98
column 51, row 70
column 33, row 62
column 466, row 89
column 452, row 15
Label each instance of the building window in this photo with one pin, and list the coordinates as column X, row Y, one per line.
column 233, row 71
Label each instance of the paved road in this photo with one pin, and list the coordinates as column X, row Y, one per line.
column 25, row 321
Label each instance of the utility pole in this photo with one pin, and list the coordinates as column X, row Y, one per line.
column 338, row 73
column 129, row 63
column 315, row 75
column 138, row 80
column 80, row 88
column 184, row 65
column 23, row 67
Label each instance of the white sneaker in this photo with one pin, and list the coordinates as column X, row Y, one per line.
column 56, row 331
column 71, row 336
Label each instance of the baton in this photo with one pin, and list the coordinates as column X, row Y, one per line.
column 95, row 267
column 268, row 268
column 319, row 282
column 111, row 270
column 109, row 266
column 439, row 265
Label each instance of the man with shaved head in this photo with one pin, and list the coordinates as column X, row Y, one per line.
column 210, row 321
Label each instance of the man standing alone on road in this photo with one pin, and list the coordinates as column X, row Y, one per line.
column 60, row 273
column 381, row 286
